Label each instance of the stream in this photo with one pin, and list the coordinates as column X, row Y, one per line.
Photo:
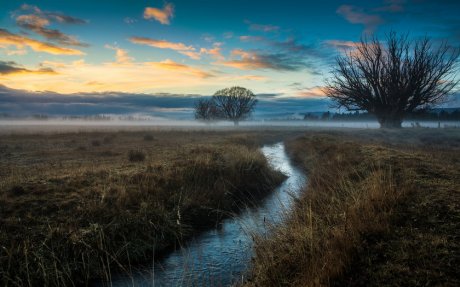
column 222, row 256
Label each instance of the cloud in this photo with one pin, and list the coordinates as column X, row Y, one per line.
column 12, row 68
column 288, row 55
column 291, row 45
column 176, row 106
column 248, row 38
column 122, row 74
column 262, row 28
column 254, row 60
column 313, row 92
column 8, row 39
column 393, row 6
column 252, row 78
column 162, row 44
column 181, row 48
column 17, row 102
column 215, row 52
column 37, row 21
column 342, row 45
column 55, row 16
column 161, row 15
column 170, row 65
column 357, row 15
column 122, row 56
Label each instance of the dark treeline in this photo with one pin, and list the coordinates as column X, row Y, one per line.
column 442, row 115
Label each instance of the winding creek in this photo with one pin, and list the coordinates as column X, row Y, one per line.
column 222, row 256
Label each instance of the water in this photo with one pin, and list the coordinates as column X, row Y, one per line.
column 222, row 256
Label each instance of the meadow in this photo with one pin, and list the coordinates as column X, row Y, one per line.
column 381, row 207
column 76, row 206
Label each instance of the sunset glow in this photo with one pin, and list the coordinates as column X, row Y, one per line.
column 180, row 47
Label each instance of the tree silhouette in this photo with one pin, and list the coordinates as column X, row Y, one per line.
column 234, row 104
column 393, row 78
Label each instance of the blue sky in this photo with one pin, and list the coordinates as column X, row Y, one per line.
column 182, row 47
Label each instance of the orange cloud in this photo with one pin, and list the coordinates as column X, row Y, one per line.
column 121, row 55
column 247, row 61
column 181, row 48
column 38, row 20
column 161, row 15
column 162, row 44
column 170, row 65
column 315, row 92
column 215, row 52
column 123, row 74
column 9, row 39
column 191, row 54
column 12, row 68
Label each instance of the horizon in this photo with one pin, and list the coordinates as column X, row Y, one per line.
column 154, row 57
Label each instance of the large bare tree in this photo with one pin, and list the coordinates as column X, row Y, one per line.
column 392, row 78
column 234, row 104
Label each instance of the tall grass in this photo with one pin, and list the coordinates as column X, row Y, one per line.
column 69, row 229
column 351, row 192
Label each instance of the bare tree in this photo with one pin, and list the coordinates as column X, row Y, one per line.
column 235, row 103
column 393, row 78
column 205, row 110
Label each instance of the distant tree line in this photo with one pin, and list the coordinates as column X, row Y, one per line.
column 442, row 115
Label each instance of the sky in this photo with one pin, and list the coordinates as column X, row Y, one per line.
column 84, row 57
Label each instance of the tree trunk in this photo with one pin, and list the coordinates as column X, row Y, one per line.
column 388, row 122
column 236, row 123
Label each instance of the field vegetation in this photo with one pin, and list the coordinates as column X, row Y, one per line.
column 382, row 208
column 78, row 206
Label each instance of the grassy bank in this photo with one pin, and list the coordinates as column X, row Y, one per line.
column 380, row 208
column 74, row 207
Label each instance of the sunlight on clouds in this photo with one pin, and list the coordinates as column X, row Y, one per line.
column 314, row 92
column 162, row 44
column 161, row 15
column 8, row 39
column 187, row 50
column 121, row 75
column 121, row 55
column 181, row 68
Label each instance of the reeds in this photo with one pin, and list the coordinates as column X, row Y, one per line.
column 351, row 192
column 67, row 225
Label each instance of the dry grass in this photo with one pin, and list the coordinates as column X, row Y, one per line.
column 352, row 225
column 71, row 211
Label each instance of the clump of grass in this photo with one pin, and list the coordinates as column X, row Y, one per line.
column 108, row 139
column 136, row 156
column 148, row 137
column 96, row 143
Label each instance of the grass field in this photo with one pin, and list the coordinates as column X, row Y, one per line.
column 77, row 206
column 382, row 208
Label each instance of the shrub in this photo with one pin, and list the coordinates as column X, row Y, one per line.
column 136, row 155
column 148, row 137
